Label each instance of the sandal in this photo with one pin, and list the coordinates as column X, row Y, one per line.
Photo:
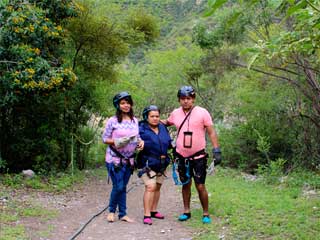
column 110, row 217
column 184, row 217
column 147, row 220
column 157, row 215
column 126, row 219
column 206, row 219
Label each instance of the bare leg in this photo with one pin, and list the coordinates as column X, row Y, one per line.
column 186, row 195
column 156, row 198
column 203, row 196
column 148, row 198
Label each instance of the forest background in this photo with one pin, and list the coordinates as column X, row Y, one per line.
column 254, row 65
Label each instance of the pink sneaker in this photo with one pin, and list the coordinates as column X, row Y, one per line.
column 157, row 215
column 147, row 220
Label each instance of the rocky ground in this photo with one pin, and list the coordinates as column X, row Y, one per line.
column 75, row 208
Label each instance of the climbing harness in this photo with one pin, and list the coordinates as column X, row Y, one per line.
column 122, row 158
column 211, row 168
column 147, row 169
column 186, row 160
column 175, row 175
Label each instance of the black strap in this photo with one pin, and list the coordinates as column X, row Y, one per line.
column 119, row 155
column 201, row 152
column 184, row 121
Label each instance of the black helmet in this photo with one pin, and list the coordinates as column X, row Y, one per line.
column 122, row 95
column 186, row 91
column 147, row 110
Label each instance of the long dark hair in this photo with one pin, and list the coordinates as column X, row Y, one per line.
column 130, row 113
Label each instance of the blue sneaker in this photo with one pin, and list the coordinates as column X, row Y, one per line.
column 206, row 219
column 184, row 217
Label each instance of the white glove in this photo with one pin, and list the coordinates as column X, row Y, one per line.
column 121, row 142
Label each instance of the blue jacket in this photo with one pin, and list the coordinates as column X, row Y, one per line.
column 155, row 145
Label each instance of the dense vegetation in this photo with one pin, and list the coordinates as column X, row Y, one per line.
column 254, row 65
column 54, row 58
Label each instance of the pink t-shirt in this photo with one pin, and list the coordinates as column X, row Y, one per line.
column 196, row 123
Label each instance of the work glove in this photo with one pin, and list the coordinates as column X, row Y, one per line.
column 216, row 152
column 121, row 142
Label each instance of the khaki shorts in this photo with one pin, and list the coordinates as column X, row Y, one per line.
column 157, row 179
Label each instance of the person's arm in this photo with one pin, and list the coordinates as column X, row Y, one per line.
column 107, row 133
column 107, row 137
column 216, row 152
column 166, row 122
column 213, row 136
column 108, row 141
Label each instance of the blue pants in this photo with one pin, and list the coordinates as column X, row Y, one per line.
column 118, row 197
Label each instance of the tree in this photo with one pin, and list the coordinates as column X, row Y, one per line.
column 281, row 42
column 43, row 44
column 31, row 71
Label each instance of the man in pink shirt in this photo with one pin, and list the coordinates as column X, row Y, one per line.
column 192, row 123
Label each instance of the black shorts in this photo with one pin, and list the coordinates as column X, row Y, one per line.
column 197, row 170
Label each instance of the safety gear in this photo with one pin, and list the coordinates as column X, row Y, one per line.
column 182, row 166
column 175, row 176
column 210, row 169
column 122, row 95
column 216, row 156
column 186, row 91
column 121, row 142
column 154, row 155
column 147, row 110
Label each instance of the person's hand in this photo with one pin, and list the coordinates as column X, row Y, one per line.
column 121, row 142
column 216, row 152
column 140, row 145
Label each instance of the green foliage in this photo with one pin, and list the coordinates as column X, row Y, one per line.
column 32, row 74
column 43, row 102
column 96, row 155
column 278, row 39
column 227, row 26
column 36, row 211
column 12, row 180
column 29, row 44
column 302, row 178
column 162, row 73
column 55, row 182
column 13, row 233
column 17, row 211
column 273, row 171
column 245, row 209
column 3, row 164
column 144, row 23
column 263, row 145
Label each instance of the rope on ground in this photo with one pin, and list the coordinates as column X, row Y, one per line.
column 135, row 184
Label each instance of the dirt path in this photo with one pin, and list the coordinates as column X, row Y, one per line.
column 77, row 207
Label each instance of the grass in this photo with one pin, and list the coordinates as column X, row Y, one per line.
column 12, row 214
column 244, row 209
column 15, row 211
column 12, row 233
column 240, row 209
column 59, row 182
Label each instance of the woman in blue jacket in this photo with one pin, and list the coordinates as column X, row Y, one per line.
column 153, row 160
